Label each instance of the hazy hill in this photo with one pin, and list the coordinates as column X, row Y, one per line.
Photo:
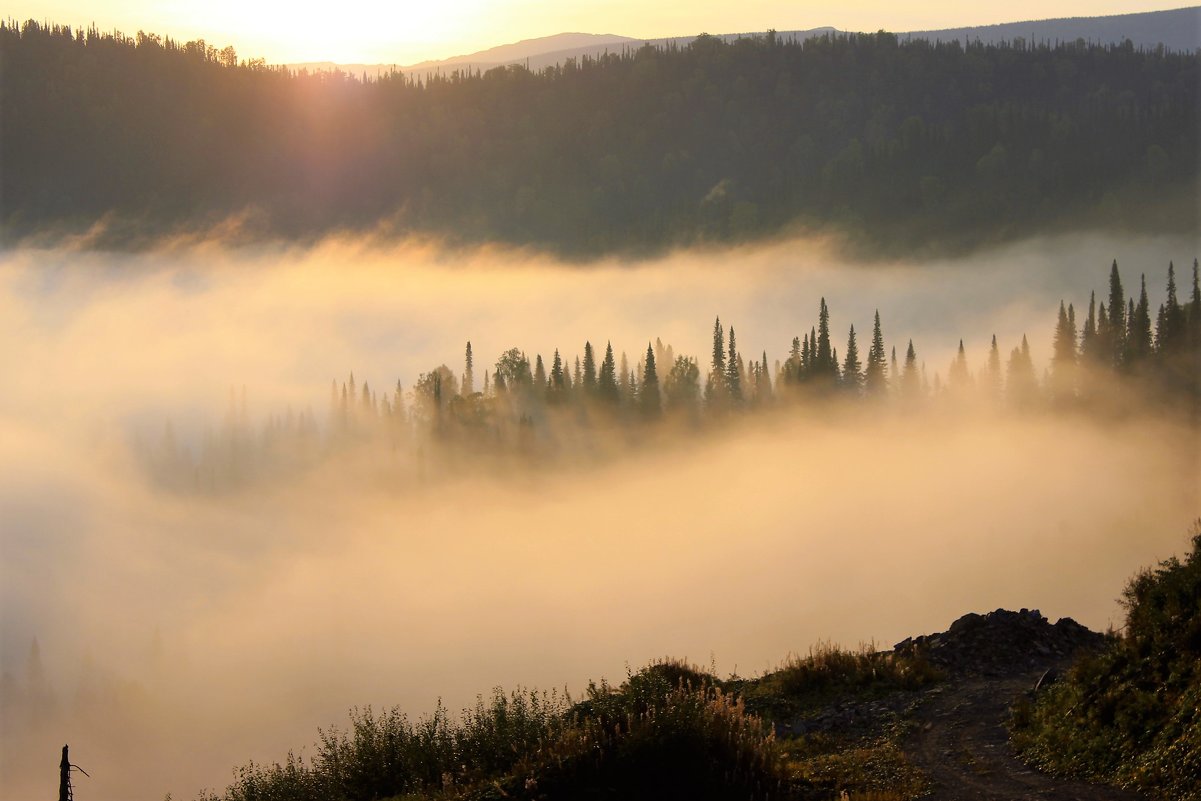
column 1177, row 29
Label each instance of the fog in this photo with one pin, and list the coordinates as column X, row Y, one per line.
column 180, row 634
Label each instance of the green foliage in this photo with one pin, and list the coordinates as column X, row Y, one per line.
column 669, row 731
column 1132, row 715
column 829, row 671
column 917, row 144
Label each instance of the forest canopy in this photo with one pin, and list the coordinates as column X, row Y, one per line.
column 915, row 146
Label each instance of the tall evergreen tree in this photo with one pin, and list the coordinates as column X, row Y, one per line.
column 648, row 399
column 589, row 370
column 1138, row 344
column 556, row 388
column 911, row 380
column 625, row 387
column 763, row 382
column 1117, row 318
column 539, row 374
column 825, row 364
column 468, row 373
column 607, row 381
column 715, row 387
column 733, row 372
column 994, row 370
column 1171, row 332
column 875, row 378
column 958, row 377
column 1063, row 357
column 852, row 369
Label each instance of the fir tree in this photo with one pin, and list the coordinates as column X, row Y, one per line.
column 589, row 370
column 607, row 382
column 875, row 377
column 539, row 374
column 994, row 370
column 763, row 382
column 911, row 381
column 715, row 388
column 648, row 398
column 1139, row 338
column 1116, row 329
column 958, row 377
column 825, row 365
column 625, row 386
column 1063, row 357
column 556, row 387
column 468, row 374
column 852, row 369
column 733, row 372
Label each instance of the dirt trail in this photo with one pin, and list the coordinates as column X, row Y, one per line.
column 961, row 743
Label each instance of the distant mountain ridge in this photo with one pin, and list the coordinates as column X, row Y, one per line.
column 1176, row 29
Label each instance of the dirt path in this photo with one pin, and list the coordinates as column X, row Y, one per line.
column 961, row 743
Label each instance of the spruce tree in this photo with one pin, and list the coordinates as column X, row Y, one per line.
column 852, row 369
column 994, row 370
column 1063, row 357
column 648, row 399
column 589, row 370
column 715, row 387
column 1170, row 334
column 468, row 374
column 1117, row 317
column 825, row 364
column 625, row 387
column 539, row 374
column 733, row 373
column 763, row 382
column 1088, row 337
column 1139, row 341
column 957, row 377
column 911, row 381
column 875, row 378
column 607, row 381
column 556, row 388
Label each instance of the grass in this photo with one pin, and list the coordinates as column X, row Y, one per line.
column 1131, row 715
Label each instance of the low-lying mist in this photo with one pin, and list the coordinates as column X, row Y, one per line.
column 180, row 634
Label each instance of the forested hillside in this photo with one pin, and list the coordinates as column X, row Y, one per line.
column 897, row 145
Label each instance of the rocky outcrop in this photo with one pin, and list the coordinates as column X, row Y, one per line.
column 1001, row 643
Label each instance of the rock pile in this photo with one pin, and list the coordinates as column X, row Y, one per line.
column 1001, row 643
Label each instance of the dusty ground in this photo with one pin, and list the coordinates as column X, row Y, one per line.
column 960, row 742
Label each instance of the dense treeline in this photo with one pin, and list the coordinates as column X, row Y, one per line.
column 911, row 144
column 1115, row 356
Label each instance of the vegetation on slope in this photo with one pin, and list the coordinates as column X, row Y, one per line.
column 898, row 145
column 1132, row 714
column 671, row 730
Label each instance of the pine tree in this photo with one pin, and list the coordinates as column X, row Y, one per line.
column 875, row 378
column 825, row 365
column 468, row 374
column 763, row 382
column 715, row 387
column 733, row 373
column 852, row 374
column 1139, row 336
column 648, row 399
column 1171, row 331
column 1088, row 337
column 958, row 377
column 539, row 374
column 607, row 382
column 911, row 381
column 625, row 387
column 1063, row 357
column 556, row 387
column 893, row 363
column 1021, row 384
column 589, row 370
column 994, row 370
column 1117, row 318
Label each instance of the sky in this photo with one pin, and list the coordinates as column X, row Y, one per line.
column 405, row 32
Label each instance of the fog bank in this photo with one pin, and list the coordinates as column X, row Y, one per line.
column 179, row 635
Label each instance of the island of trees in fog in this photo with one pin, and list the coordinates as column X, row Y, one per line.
column 1115, row 354
column 894, row 144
